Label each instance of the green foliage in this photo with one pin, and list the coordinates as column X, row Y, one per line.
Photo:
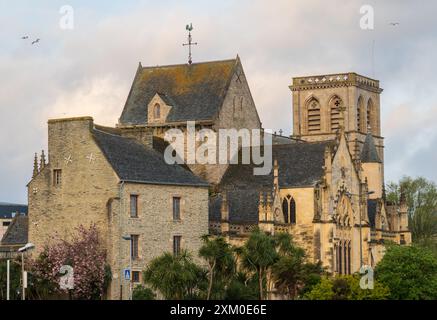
column 421, row 197
column 409, row 271
column 143, row 293
column 346, row 288
column 291, row 274
column 242, row 287
column 221, row 264
column 15, row 278
column 257, row 255
column 176, row 277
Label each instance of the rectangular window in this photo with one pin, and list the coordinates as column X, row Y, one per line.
column 177, row 245
column 6, row 223
column 135, row 276
column 134, row 206
column 134, row 246
column 57, row 177
column 176, row 208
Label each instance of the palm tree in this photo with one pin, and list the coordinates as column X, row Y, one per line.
column 257, row 255
column 219, row 256
column 176, row 277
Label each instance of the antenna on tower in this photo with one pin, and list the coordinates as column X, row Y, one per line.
column 190, row 43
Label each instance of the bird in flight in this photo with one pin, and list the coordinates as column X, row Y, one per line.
column 394, row 24
column 35, row 41
column 25, row 37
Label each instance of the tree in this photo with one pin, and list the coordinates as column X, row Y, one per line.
column 346, row 288
column 142, row 293
column 421, row 198
column 176, row 277
column 15, row 278
column 290, row 272
column 242, row 287
column 410, row 272
column 219, row 256
column 258, row 255
column 85, row 254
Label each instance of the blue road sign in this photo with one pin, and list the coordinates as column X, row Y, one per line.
column 126, row 274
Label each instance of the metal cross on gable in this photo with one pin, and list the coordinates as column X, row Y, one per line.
column 238, row 74
column 190, row 43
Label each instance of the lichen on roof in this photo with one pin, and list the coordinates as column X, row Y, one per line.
column 198, row 90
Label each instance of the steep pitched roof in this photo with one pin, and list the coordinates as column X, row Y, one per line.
column 17, row 232
column 369, row 153
column 196, row 91
column 300, row 165
column 134, row 162
column 7, row 210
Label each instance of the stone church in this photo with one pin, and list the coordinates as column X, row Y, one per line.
column 326, row 187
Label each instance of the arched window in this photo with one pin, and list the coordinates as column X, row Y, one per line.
column 335, row 106
column 157, row 111
column 360, row 110
column 292, row 211
column 370, row 115
column 313, row 112
column 340, row 258
column 285, row 210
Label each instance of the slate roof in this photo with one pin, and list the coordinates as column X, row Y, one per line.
column 369, row 153
column 134, row 162
column 195, row 91
column 7, row 210
column 300, row 165
column 17, row 232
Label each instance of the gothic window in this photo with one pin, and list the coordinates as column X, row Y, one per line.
column 289, row 209
column 157, row 111
column 340, row 258
column 335, row 107
column 314, row 120
column 360, row 110
column 349, row 258
column 370, row 115
column 241, row 104
column 285, row 210
column 292, row 211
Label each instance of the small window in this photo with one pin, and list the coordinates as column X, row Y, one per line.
column 57, row 177
column 157, row 111
column 134, row 246
column 135, row 276
column 402, row 239
column 134, row 206
column 176, row 208
column 177, row 245
column 6, row 223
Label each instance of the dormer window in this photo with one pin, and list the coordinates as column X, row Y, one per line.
column 157, row 111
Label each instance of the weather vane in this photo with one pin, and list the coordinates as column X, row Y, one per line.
column 190, row 43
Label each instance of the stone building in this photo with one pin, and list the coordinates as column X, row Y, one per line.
column 326, row 187
column 96, row 175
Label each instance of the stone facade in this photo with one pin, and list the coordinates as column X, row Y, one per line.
column 89, row 191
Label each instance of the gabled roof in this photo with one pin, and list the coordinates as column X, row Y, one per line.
column 300, row 165
column 369, row 153
column 196, row 91
column 133, row 162
column 7, row 210
column 17, row 232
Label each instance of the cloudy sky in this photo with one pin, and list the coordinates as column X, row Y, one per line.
column 88, row 70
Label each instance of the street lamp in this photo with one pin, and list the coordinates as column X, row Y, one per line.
column 361, row 221
column 129, row 238
column 29, row 246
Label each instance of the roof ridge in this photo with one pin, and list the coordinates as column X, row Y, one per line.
column 186, row 64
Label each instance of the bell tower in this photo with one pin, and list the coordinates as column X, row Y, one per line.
column 324, row 103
